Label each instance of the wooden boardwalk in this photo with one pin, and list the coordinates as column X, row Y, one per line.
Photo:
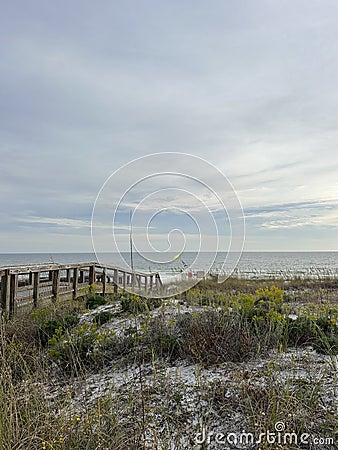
column 25, row 286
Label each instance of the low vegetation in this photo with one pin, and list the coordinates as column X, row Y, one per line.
column 235, row 334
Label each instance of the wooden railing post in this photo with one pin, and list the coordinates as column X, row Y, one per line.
column 104, row 282
column 36, row 283
column 81, row 276
column 13, row 293
column 56, row 283
column 5, row 290
column 115, row 281
column 2, row 288
column 75, row 281
column 68, row 275
column 92, row 274
column 158, row 282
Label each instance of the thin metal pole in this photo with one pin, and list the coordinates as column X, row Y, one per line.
column 131, row 241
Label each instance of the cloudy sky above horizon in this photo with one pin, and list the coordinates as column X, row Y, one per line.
column 249, row 86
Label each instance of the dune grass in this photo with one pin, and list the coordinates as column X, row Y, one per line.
column 46, row 354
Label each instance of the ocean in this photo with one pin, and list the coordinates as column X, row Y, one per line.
column 250, row 264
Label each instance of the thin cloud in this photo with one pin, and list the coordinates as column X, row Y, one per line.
column 57, row 221
column 249, row 86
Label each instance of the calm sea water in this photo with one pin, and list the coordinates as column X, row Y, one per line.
column 250, row 264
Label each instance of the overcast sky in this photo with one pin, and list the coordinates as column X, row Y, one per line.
column 250, row 86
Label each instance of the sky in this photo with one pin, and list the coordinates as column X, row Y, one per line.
column 251, row 87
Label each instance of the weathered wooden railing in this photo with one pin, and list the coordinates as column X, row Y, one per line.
column 28, row 285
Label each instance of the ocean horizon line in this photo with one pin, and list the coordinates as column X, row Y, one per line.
column 158, row 252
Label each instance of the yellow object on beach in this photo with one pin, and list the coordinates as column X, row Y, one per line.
column 176, row 256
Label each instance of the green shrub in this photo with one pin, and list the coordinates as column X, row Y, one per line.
column 47, row 329
column 83, row 346
column 262, row 303
column 103, row 317
column 161, row 339
column 326, row 345
column 136, row 304
column 310, row 329
column 301, row 331
column 327, row 324
column 41, row 315
column 133, row 303
column 95, row 300
column 273, row 296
